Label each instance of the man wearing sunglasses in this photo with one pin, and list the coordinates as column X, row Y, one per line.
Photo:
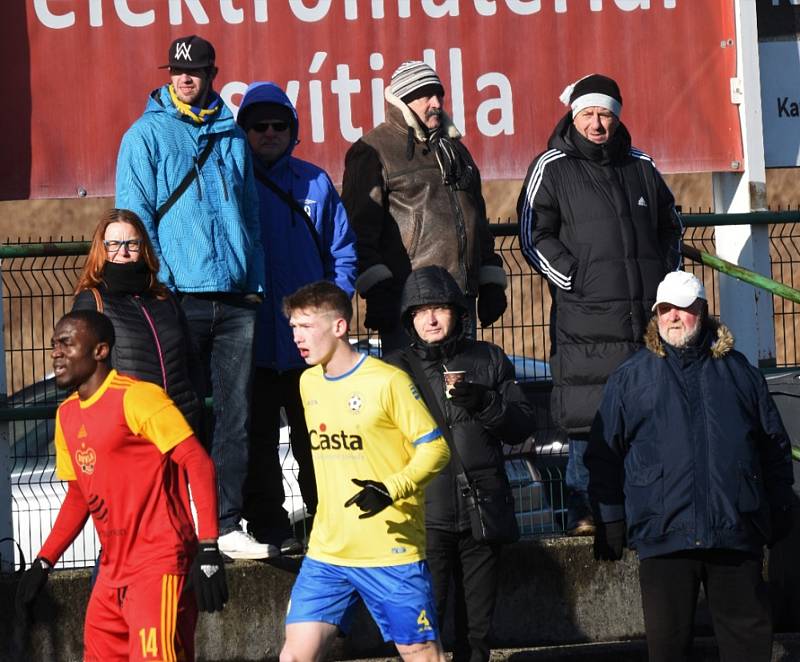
column 306, row 238
column 185, row 169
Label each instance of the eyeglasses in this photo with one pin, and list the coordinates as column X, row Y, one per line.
column 132, row 245
column 277, row 126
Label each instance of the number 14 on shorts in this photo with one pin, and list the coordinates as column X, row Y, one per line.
column 147, row 637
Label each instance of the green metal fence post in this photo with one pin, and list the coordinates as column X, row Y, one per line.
column 6, row 523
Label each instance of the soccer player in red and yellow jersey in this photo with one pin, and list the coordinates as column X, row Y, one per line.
column 126, row 452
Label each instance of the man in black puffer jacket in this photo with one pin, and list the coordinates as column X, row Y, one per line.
column 484, row 410
column 597, row 220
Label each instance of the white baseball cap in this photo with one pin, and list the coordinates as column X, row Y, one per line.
column 679, row 288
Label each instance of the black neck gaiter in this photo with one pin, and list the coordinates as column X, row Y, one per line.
column 127, row 277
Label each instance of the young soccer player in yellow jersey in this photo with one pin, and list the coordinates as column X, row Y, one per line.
column 374, row 446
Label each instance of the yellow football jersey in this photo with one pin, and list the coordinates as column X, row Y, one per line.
column 370, row 423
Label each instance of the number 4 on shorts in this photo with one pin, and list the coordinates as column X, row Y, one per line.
column 423, row 622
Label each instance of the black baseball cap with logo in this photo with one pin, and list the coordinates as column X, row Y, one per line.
column 190, row 52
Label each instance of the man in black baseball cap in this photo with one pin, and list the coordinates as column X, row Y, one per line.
column 190, row 52
column 185, row 169
column 192, row 70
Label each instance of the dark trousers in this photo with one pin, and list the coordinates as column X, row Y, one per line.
column 457, row 560
column 264, row 493
column 737, row 599
column 221, row 327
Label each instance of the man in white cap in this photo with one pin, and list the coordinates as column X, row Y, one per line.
column 689, row 460
column 413, row 196
column 599, row 223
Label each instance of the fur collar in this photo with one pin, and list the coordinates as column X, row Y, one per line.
column 412, row 121
column 719, row 348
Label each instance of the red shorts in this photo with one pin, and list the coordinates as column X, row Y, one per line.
column 151, row 620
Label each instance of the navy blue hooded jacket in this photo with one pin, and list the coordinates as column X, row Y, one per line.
column 688, row 447
column 292, row 253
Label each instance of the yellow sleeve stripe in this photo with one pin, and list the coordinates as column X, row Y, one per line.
column 425, row 439
column 169, row 616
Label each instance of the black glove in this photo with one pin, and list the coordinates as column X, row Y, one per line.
column 609, row 539
column 31, row 583
column 207, row 578
column 372, row 499
column 383, row 306
column 491, row 303
column 470, row 396
column 782, row 521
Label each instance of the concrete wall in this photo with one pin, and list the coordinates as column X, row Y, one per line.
column 551, row 592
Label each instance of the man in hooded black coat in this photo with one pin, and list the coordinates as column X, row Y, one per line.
column 482, row 412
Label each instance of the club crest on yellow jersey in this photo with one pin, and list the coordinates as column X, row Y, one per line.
column 354, row 403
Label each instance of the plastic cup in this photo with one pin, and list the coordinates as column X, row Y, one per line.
column 451, row 378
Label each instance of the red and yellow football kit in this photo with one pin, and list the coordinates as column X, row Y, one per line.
column 119, row 451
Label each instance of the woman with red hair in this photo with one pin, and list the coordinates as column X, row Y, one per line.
column 152, row 341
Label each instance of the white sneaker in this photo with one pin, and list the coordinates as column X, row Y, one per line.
column 240, row 545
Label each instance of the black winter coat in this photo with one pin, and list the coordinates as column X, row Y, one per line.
column 688, row 447
column 507, row 417
column 152, row 343
column 600, row 224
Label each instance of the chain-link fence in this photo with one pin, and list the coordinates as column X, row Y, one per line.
column 38, row 283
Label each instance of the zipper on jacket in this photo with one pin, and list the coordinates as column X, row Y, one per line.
column 222, row 179
column 152, row 326
column 461, row 231
column 197, row 179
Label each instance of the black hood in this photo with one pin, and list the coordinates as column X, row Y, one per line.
column 428, row 286
column 566, row 138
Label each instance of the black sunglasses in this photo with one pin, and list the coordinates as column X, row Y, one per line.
column 277, row 126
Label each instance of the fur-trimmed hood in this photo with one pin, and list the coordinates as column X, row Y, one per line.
column 412, row 121
column 721, row 346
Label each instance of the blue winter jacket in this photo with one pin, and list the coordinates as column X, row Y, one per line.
column 295, row 257
column 688, row 447
column 209, row 241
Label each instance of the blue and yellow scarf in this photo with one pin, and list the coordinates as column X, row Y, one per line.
column 197, row 114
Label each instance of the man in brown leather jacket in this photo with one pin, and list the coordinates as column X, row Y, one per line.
column 413, row 196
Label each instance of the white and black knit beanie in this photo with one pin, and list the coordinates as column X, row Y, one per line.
column 412, row 76
column 593, row 90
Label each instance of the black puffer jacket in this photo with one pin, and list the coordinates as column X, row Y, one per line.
column 151, row 343
column 508, row 416
column 599, row 223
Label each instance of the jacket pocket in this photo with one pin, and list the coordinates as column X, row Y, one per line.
column 582, row 255
column 644, row 494
column 751, row 500
column 412, row 238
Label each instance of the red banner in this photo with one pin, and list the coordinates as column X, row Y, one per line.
column 78, row 73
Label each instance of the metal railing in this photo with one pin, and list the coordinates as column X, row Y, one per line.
column 38, row 281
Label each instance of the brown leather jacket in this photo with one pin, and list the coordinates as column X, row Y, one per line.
column 404, row 215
